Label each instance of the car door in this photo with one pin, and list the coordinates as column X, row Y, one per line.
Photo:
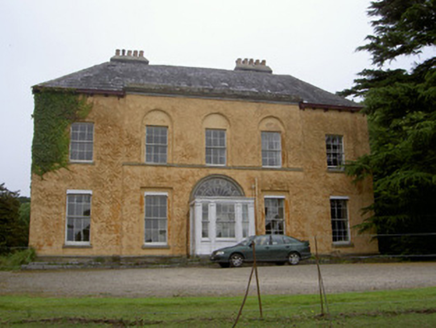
column 279, row 250
column 263, row 244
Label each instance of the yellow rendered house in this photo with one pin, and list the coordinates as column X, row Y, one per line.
column 179, row 161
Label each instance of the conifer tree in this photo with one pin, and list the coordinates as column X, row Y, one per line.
column 401, row 109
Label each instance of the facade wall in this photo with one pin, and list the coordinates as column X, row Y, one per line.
column 119, row 177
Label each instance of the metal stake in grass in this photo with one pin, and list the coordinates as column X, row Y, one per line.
column 254, row 269
column 321, row 283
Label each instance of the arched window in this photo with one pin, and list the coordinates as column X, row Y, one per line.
column 218, row 187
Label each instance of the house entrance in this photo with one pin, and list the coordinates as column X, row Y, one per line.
column 220, row 215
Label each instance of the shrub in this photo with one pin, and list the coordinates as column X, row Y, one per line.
column 13, row 261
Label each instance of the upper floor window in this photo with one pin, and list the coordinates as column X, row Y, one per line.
column 335, row 151
column 339, row 217
column 82, row 142
column 215, row 147
column 156, row 144
column 78, row 217
column 271, row 149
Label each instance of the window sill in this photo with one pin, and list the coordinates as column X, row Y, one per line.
column 154, row 246
column 336, row 170
column 82, row 162
column 343, row 245
column 77, row 246
column 215, row 165
column 156, row 163
column 232, row 239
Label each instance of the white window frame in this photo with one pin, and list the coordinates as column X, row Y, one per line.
column 284, row 212
column 164, row 194
column 205, row 245
column 72, row 192
column 81, row 142
column 153, row 146
column 337, row 154
column 216, row 148
column 266, row 151
column 238, row 203
column 347, row 220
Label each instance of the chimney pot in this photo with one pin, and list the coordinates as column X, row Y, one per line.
column 129, row 53
column 123, row 52
column 135, row 53
column 117, row 52
column 141, row 53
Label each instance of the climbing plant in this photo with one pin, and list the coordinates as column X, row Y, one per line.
column 54, row 111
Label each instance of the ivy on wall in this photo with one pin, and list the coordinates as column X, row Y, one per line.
column 54, row 111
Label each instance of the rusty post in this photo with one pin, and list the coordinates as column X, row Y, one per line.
column 257, row 280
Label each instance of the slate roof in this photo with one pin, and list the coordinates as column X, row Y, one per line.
column 137, row 76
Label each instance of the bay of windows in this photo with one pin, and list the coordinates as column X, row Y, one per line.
column 228, row 219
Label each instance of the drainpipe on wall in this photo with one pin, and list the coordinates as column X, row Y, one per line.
column 256, row 195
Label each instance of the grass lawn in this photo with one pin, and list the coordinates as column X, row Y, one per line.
column 399, row 308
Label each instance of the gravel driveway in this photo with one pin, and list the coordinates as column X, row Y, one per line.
column 208, row 281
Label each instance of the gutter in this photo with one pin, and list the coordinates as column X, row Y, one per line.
column 325, row 107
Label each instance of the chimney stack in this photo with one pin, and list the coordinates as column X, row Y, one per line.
column 129, row 56
column 252, row 65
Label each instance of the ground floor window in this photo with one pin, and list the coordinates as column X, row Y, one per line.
column 78, row 217
column 245, row 221
column 274, row 215
column 225, row 220
column 339, row 217
column 156, row 218
column 205, row 221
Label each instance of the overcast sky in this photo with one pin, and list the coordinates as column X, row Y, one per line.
column 313, row 40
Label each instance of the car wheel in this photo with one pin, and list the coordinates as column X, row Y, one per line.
column 294, row 258
column 236, row 260
column 224, row 265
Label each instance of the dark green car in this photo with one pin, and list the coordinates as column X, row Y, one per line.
column 269, row 248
